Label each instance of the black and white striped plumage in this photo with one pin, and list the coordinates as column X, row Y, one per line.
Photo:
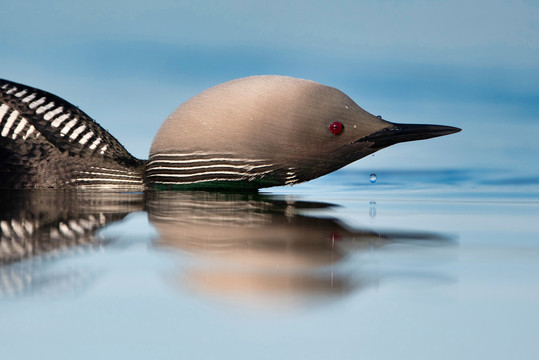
column 35, row 223
column 201, row 167
column 47, row 142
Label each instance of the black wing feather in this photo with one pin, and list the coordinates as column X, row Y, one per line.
column 47, row 142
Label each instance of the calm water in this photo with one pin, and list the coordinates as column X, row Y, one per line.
column 419, row 265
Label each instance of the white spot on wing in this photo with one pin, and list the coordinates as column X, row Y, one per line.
column 44, row 108
column 30, row 131
column 68, row 126
column 37, row 103
column 9, row 123
column 19, row 128
column 53, row 113
column 103, row 149
column 95, row 143
column 77, row 132
column 29, row 98
column 59, row 120
column 3, row 110
column 86, row 137
column 21, row 93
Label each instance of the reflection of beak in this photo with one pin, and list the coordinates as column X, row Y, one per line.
column 397, row 133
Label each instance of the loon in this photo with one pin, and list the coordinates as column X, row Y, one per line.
column 245, row 134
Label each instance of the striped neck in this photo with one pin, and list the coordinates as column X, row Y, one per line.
column 209, row 170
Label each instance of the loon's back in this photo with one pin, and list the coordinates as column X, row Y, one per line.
column 47, row 142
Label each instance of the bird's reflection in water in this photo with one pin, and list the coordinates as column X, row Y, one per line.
column 38, row 228
column 262, row 249
column 241, row 247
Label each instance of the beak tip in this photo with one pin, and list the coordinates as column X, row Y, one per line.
column 453, row 130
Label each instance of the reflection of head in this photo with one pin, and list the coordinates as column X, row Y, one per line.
column 249, row 246
column 248, row 287
column 257, row 248
column 246, row 229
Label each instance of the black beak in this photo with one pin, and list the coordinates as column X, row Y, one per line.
column 397, row 133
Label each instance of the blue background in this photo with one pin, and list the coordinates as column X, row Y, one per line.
column 472, row 64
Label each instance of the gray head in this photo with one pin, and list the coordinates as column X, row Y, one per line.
column 267, row 131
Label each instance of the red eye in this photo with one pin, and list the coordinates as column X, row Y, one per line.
column 336, row 128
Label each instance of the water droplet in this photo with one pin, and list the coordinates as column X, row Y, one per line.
column 372, row 209
column 372, row 178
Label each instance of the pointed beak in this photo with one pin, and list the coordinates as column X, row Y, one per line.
column 397, row 133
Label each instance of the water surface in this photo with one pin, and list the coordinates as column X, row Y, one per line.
column 420, row 264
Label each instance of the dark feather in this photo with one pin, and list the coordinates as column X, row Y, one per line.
column 47, row 142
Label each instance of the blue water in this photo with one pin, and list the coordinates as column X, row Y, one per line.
column 421, row 264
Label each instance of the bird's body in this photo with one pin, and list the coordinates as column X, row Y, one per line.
column 248, row 133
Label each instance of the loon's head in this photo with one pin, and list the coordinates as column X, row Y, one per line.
column 267, row 131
